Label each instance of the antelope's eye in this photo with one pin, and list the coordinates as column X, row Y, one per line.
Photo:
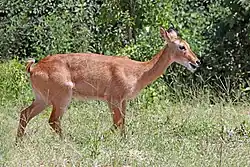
column 181, row 47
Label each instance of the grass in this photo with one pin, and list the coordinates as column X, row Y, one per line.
column 189, row 133
column 160, row 131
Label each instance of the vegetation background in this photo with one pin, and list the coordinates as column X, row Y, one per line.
column 182, row 119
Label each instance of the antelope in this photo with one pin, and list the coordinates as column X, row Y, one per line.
column 57, row 78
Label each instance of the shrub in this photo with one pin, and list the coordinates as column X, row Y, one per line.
column 13, row 82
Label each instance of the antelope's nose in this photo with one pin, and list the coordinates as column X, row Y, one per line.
column 198, row 62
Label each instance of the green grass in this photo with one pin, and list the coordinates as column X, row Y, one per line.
column 188, row 133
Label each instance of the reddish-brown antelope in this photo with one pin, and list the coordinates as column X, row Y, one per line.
column 56, row 79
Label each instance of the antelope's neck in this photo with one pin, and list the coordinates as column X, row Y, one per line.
column 155, row 67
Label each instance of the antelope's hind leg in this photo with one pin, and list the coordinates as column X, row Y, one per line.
column 37, row 106
column 60, row 103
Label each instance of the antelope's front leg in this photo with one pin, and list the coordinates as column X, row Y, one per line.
column 118, row 113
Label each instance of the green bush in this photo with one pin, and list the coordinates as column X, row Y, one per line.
column 217, row 31
column 37, row 28
column 14, row 84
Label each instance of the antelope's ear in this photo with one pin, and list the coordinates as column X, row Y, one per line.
column 172, row 34
column 164, row 34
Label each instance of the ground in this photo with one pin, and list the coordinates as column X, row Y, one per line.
column 185, row 133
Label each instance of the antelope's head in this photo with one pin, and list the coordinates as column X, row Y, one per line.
column 180, row 50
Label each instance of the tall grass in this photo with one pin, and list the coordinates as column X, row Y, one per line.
column 181, row 132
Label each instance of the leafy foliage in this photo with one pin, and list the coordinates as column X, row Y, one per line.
column 218, row 32
column 13, row 82
column 229, row 45
column 40, row 28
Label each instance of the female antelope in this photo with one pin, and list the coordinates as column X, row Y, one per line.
column 56, row 79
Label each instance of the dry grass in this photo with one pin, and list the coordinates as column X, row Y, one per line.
column 167, row 134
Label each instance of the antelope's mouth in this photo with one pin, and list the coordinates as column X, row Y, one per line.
column 194, row 66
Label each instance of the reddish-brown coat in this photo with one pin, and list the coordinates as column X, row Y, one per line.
column 57, row 78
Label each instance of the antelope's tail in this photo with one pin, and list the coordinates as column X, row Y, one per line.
column 29, row 64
